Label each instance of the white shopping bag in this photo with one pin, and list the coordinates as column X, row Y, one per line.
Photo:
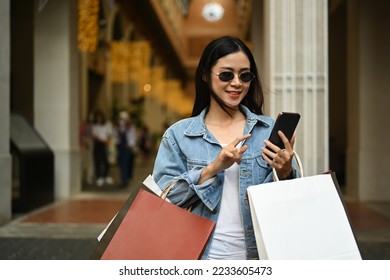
column 302, row 219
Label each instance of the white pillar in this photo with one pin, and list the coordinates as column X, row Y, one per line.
column 5, row 157
column 56, row 98
column 295, row 74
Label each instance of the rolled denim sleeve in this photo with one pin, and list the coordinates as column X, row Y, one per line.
column 170, row 166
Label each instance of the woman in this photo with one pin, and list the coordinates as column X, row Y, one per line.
column 217, row 153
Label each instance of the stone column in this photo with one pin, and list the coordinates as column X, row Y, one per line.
column 5, row 156
column 56, row 90
column 295, row 72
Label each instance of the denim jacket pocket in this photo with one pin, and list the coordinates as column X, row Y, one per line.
column 254, row 169
column 260, row 161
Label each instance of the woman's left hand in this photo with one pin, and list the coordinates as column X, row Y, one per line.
column 280, row 159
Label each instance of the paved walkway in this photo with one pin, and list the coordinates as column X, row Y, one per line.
column 67, row 230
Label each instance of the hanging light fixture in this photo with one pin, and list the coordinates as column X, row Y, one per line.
column 88, row 28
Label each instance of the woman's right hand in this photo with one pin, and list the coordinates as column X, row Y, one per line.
column 229, row 155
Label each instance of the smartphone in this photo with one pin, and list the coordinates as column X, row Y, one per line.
column 287, row 123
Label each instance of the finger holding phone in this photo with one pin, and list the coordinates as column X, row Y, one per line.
column 280, row 159
column 278, row 151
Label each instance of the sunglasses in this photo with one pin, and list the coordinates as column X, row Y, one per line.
column 227, row 76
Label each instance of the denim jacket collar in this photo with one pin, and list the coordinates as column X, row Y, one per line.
column 198, row 127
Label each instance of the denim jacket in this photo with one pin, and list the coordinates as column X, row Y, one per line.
column 187, row 147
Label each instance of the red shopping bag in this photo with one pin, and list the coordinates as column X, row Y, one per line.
column 154, row 229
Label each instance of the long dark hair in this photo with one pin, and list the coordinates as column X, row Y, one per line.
column 216, row 49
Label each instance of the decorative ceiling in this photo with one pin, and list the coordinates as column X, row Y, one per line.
column 179, row 30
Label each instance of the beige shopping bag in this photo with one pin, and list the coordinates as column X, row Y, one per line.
column 302, row 219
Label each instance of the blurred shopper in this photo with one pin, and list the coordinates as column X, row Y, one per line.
column 125, row 138
column 102, row 135
column 132, row 142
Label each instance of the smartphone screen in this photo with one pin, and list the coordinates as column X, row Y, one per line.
column 287, row 123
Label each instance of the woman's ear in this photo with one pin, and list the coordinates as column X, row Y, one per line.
column 204, row 77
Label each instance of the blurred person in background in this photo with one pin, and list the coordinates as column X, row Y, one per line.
column 125, row 140
column 102, row 135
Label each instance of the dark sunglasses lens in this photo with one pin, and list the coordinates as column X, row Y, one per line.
column 226, row 76
column 246, row 77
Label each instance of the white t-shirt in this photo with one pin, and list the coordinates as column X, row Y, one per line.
column 102, row 131
column 229, row 239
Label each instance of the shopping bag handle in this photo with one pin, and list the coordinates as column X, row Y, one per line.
column 165, row 192
column 276, row 178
